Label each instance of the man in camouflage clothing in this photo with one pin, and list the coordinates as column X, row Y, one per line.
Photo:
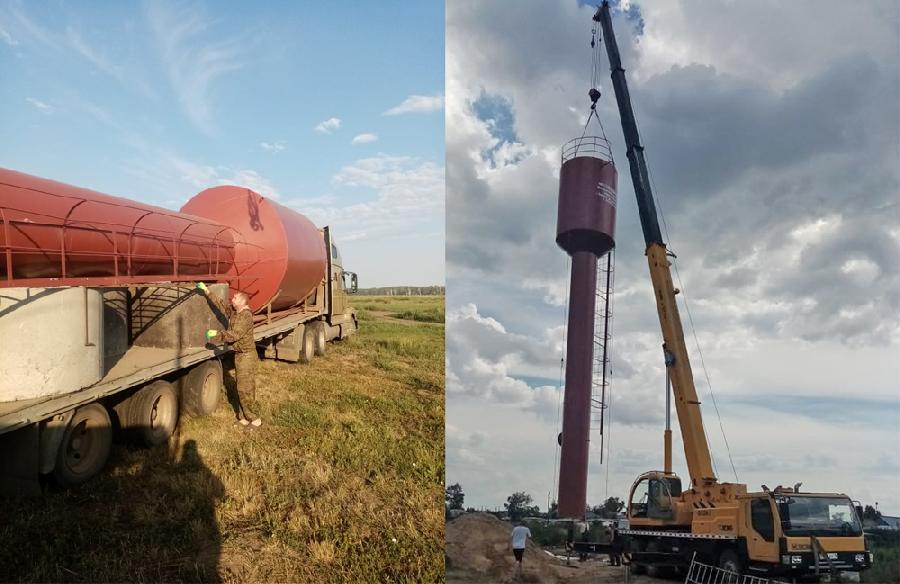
column 240, row 336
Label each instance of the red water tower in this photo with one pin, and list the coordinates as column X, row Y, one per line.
column 585, row 228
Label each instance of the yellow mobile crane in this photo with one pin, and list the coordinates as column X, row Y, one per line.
column 780, row 531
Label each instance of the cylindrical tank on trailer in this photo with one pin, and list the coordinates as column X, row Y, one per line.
column 51, row 230
column 280, row 255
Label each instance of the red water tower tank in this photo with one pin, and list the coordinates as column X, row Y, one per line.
column 585, row 229
column 279, row 254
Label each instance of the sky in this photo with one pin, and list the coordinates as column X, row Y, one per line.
column 335, row 112
column 772, row 133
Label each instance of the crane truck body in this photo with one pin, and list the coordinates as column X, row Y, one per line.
column 780, row 531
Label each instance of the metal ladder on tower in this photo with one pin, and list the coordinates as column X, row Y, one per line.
column 603, row 311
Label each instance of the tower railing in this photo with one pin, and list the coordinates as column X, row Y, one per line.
column 590, row 146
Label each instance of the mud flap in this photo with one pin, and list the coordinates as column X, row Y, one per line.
column 288, row 347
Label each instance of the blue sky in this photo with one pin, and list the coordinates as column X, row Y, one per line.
column 334, row 111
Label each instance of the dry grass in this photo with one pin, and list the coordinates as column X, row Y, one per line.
column 342, row 483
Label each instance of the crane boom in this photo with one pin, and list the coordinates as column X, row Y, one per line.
column 687, row 406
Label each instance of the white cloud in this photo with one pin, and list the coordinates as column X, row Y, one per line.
column 103, row 63
column 417, row 104
column 250, row 179
column 41, row 106
column 408, row 192
column 7, row 38
column 172, row 180
column 194, row 61
column 364, row 139
column 274, row 147
column 26, row 28
column 328, row 126
column 68, row 42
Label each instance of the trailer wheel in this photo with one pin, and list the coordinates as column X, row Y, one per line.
column 202, row 388
column 85, row 446
column 319, row 331
column 729, row 560
column 153, row 413
column 307, row 345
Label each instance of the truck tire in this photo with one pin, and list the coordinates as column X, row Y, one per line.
column 85, row 446
column 307, row 345
column 201, row 389
column 318, row 328
column 653, row 570
column 636, row 567
column 731, row 561
column 152, row 413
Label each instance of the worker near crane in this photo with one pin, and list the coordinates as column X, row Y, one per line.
column 239, row 335
column 517, row 540
column 615, row 545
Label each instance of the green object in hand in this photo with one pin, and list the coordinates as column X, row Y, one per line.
column 202, row 286
column 211, row 333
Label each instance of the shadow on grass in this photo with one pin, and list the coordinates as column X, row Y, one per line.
column 149, row 517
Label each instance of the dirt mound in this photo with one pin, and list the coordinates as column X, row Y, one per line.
column 477, row 550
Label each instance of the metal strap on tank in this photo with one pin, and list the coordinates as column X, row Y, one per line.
column 7, row 244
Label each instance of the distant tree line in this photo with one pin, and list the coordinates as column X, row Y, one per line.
column 403, row 291
column 519, row 505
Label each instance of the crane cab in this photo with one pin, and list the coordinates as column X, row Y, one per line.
column 656, row 500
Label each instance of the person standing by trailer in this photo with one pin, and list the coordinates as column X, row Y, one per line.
column 517, row 540
column 240, row 336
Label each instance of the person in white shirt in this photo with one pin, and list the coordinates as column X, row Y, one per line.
column 518, row 539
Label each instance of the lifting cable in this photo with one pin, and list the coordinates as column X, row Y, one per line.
column 605, row 408
column 559, row 386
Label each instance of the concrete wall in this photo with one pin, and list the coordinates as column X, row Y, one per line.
column 51, row 341
column 175, row 318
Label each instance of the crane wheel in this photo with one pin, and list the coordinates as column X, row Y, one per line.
column 653, row 570
column 307, row 344
column 201, row 388
column 730, row 561
column 85, row 446
column 319, row 343
column 637, row 568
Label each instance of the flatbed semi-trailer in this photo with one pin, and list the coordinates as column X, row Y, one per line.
column 102, row 329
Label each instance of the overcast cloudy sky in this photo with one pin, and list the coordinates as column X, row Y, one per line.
column 336, row 113
column 771, row 130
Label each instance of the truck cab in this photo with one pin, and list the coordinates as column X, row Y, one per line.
column 801, row 532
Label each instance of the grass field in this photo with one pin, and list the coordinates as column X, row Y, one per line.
column 342, row 483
